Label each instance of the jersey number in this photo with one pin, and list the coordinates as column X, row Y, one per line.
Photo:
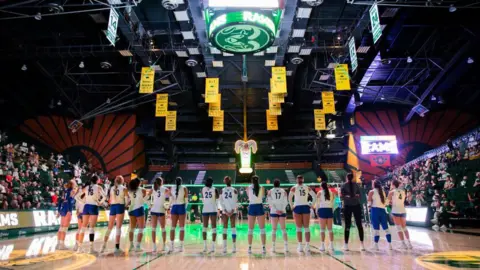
column 400, row 196
column 302, row 192
column 228, row 195
column 117, row 192
column 90, row 191
column 208, row 195
column 159, row 194
column 135, row 195
column 278, row 195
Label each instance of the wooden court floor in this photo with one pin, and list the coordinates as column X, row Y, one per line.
column 432, row 250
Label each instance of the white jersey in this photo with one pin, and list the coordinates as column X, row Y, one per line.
column 252, row 198
column 159, row 196
column 209, row 199
column 177, row 199
column 136, row 199
column 79, row 204
column 322, row 202
column 301, row 195
column 117, row 195
column 278, row 201
column 93, row 195
column 229, row 199
column 398, row 201
column 376, row 201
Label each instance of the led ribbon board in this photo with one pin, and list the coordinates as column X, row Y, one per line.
column 242, row 32
column 378, row 145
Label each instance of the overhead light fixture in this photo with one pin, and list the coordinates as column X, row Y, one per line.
column 293, row 48
column 317, row 102
column 24, row 67
column 298, row 33
column 272, row 49
column 313, row 3
column 59, row 103
column 273, row 147
column 81, row 65
column 305, row 51
column 324, row 77
column 157, row 67
column 218, row 148
column 181, row 16
column 201, row 74
column 470, row 60
column 245, row 170
column 193, row 51
column 217, row 63
column 170, row 4
column 181, row 53
column 125, row 53
column 289, row 72
column 105, row 65
column 227, row 54
column 382, row 97
column 441, row 100
column 331, row 65
column 214, row 50
column 108, row 101
column 38, row 16
column 304, row 12
column 165, row 81
column 452, row 8
column 262, row 53
column 409, row 59
column 339, row 37
column 363, row 49
column 244, row 3
column 433, row 98
column 330, row 136
column 296, row 60
column 191, row 62
column 188, row 35
column 269, row 63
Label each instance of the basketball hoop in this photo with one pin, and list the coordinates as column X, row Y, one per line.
column 75, row 125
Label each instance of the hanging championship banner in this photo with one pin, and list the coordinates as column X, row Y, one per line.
column 342, row 79
column 147, row 80
column 279, row 71
column 276, row 98
column 328, row 101
column 161, row 107
column 272, row 121
column 320, row 123
column 278, row 82
column 275, row 108
column 218, row 121
column 215, row 108
column 171, row 121
column 211, row 90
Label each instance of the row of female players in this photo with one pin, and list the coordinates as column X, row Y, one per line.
column 91, row 197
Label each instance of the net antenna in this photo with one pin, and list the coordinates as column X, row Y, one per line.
column 75, row 125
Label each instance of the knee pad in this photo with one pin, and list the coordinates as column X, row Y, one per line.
column 140, row 230
column 262, row 231
column 387, row 231
column 83, row 230
column 182, row 229
column 91, row 230
column 376, row 232
column 307, row 230
column 214, row 230
column 250, row 231
column 204, row 230
column 274, row 231
column 399, row 228
column 160, row 229
column 299, row 229
column 118, row 232
column 234, row 230
column 108, row 232
column 327, row 230
column 322, row 230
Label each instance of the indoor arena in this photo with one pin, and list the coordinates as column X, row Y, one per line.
column 239, row 134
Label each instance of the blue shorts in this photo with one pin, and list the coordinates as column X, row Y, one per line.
column 277, row 215
column 256, row 210
column 213, row 214
column 79, row 216
column 301, row 209
column 325, row 212
column 64, row 211
column 117, row 209
column 90, row 209
column 178, row 209
column 139, row 212
column 157, row 214
column 399, row 215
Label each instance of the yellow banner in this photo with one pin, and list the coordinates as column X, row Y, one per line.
column 161, row 107
column 218, row 122
column 171, row 121
column 328, row 101
column 278, row 86
column 147, row 80
column 342, row 79
column 276, row 98
column 211, row 90
column 320, row 123
column 214, row 108
column 272, row 121
column 279, row 71
column 275, row 110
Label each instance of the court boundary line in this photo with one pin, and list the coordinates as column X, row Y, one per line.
column 335, row 258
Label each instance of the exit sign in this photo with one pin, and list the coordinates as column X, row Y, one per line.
column 375, row 21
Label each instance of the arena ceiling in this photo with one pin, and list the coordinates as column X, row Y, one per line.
column 57, row 50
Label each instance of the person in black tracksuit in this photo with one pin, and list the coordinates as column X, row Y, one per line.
column 350, row 195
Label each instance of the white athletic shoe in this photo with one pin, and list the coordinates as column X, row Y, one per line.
column 434, row 221
column 154, row 250
column 273, row 250
column 375, row 247
column 117, row 252
column 91, row 250
column 234, row 248
column 102, row 249
column 345, row 247
column 264, row 250
column 131, row 248
column 330, row 247
column 299, row 248
column 362, row 246
column 307, row 248
column 164, row 247
column 322, row 247
column 390, row 247
column 404, row 246
column 443, row 228
column 224, row 250
column 181, row 249
column 285, row 248
column 75, row 248
column 409, row 245
column 138, row 249
column 212, row 250
column 436, row 227
column 249, row 250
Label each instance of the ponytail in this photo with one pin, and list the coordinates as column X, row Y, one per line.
column 178, row 182
column 158, row 183
column 380, row 191
column 256, row 185
column 350, row 182
column 326, row 191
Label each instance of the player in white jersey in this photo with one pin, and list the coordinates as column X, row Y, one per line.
column 118, row 193
column 178, row 212
column 325, row 200
column 301, row 211
column 94, row 196
column 209, row 212
column 157, row 212
column 378, row 215
column 255, row 212
column 228, row 203
column 79, row 205
column 397, row 197
column 136, row 212
column 278, row 201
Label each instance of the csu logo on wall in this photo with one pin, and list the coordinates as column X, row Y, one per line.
column 242, row 31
